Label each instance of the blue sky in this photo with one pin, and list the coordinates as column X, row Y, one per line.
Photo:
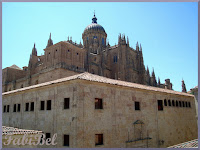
column 168, row 32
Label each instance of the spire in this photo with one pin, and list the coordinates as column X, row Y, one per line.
column 119, row 39
column 183, row 87
column 147, row 71
column 140, row 47
column 34, row 50
column 127, row 41
column 153, row 74
column 158, row 81
column 94, row 19
column 50, row 42
column 137, row 46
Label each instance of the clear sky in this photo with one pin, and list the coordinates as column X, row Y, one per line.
column 168, row 32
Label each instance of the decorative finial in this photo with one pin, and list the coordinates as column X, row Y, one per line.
column 94, row 19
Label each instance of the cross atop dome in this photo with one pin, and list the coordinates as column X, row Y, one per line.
column 94, row 19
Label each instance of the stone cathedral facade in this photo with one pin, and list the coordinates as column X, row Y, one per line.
column 95, row 56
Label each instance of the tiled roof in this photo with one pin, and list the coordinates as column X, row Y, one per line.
column 189, row 144
column 95, row 78
column 14, row 131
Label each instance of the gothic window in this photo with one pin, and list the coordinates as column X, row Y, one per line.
column 102, row 41
column 98, row 139
column 160, row 105
column 98, row 103
column 115, row 59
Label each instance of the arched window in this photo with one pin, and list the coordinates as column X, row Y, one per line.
column 169, row 102
column 183, row 103
column 173, row 104
column 176, row 103
column 102, row 41
column 115, row 59
column 180, row 105
column 186, row 104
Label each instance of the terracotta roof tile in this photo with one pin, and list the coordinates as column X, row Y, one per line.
column 189, row 144
column 95, row 78
column 11, row 130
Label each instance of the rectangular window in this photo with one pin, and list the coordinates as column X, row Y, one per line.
column 4, row 108
column 66, row 103
column 42, row 105
column 160, row 105
column 137, row 105
column 8, row 106
column 66, row 140
column 27, row 107
column 18, row 108
column 98, row 139
column 48, row 135
column 14, row 108
column 49, row 105
column 98, row 103
column 32, row 106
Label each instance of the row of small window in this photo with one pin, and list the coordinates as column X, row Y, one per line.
column 176, row 103
column 98, row 139
column 30, row 106
column 173, row 103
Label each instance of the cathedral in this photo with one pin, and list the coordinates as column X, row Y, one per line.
column 96, row 56
column 94, row 95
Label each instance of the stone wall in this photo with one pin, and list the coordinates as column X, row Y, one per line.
column 117, row 121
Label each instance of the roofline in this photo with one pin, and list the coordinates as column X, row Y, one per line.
column 95, row 78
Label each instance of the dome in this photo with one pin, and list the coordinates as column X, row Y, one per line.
column 94, row 26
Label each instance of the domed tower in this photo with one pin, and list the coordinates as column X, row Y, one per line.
column 94, row 37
